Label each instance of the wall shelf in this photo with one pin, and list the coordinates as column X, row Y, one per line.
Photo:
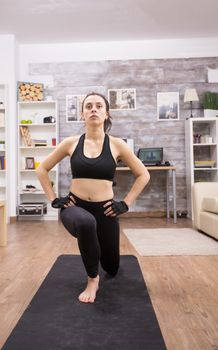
column 199, row 153
column 37, row 130
column 4, row 174
column 38, row 124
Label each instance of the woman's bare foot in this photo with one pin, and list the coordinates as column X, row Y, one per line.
column 89, row 294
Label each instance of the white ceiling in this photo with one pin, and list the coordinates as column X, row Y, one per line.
column 55, row 21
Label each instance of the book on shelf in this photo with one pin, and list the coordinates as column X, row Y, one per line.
column 204, row 163
column 2, row 163
column 38, row 143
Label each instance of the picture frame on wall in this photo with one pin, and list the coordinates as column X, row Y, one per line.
column 122, row 99
column 74, row 108
column 167, row 106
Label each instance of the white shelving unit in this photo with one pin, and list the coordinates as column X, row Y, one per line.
column 31, row 115
column 3, row 146
column 201, row 138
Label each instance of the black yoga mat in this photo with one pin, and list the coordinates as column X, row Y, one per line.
column 122, row 317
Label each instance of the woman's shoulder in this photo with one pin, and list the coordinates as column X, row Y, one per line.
column 120, row 146
column 71, row 139
column 117, row 140
column 70, row 142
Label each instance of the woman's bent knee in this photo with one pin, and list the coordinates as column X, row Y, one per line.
column 78, row 220
column 87, row 224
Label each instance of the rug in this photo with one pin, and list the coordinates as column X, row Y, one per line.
column 171, row 241
column 121, row 318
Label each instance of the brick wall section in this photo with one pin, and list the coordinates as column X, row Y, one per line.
column 148, row 77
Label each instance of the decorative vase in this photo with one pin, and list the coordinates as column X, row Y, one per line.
column 48, row 98
column 210, row 113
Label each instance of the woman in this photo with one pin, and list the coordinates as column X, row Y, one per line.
column 89, row 212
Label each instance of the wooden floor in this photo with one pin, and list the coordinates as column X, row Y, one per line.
column 183, row 289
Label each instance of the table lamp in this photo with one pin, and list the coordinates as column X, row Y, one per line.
column 191, row 96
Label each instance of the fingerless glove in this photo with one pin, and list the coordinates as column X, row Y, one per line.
column 119, row 207
column 60, row 202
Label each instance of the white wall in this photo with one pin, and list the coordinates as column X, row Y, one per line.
column 97, row 51
column 8, row 64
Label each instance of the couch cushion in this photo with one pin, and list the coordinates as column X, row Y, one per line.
column 210, row 204
column 209, row 223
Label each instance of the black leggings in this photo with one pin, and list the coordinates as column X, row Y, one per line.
column 97, row 234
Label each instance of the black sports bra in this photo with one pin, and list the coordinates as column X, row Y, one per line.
column 102, row 167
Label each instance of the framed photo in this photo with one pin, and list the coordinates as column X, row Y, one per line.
column 74, row 108
column 27, row 91
column 30, row 163
column 122, row 98
column 167, row 106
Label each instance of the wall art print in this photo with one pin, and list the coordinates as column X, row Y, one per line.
column 167, row 106
column 74, row 108
column 122, row 98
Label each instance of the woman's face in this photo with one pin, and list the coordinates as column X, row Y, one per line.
column 94, row 110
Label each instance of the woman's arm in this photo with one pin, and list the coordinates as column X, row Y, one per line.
column 138, row 169
column 49, row 162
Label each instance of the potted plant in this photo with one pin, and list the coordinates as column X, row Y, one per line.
column 210, row 104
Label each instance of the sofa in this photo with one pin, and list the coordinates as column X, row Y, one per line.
column 205, row 207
